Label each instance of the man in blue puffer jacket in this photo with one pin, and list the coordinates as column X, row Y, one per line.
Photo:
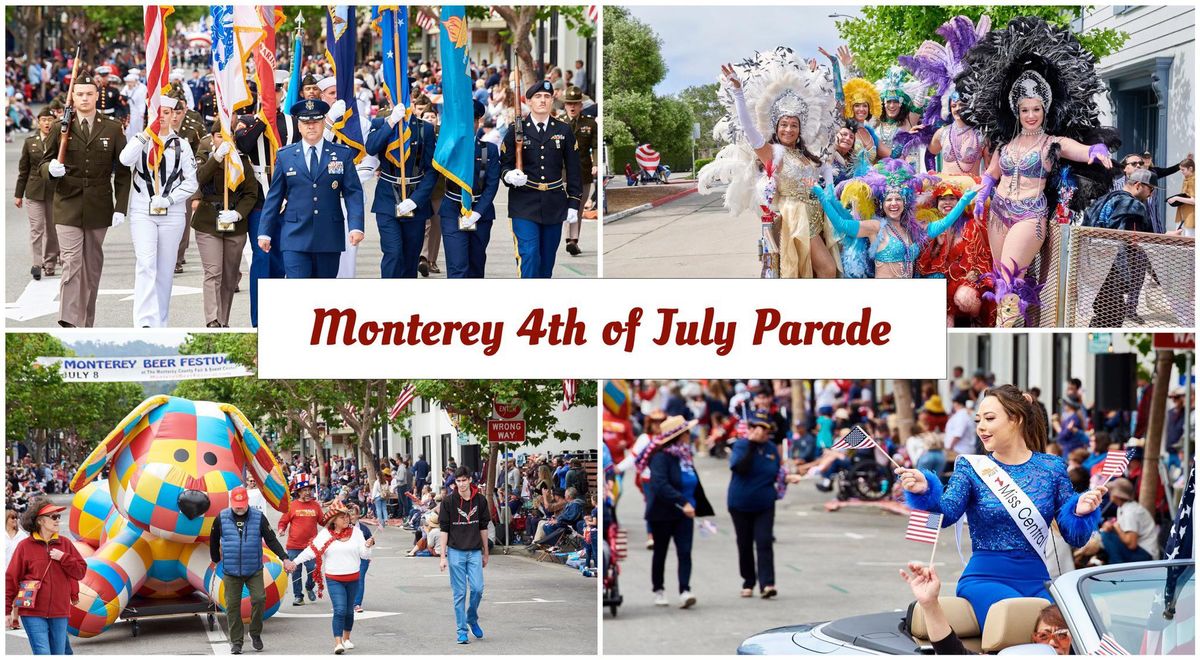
column 236, row 542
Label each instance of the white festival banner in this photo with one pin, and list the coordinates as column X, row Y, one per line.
column 144, row 369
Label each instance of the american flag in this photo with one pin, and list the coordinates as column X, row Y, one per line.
column 352, row 409
column 406, row 397
column 855, row 439
column 1109, row 646
column 570, row 389
column 593, row 13
column 158, row 72
column 304, row 416
column 1115, row 463
column 923, row 526
column 426, row 21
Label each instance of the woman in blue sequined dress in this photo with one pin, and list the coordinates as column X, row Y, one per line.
column 1003, row 562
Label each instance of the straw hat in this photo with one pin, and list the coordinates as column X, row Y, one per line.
column 673, row 427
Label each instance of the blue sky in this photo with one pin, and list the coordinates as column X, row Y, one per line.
column 697, row 40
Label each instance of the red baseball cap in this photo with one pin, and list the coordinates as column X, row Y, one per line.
column 239, row 495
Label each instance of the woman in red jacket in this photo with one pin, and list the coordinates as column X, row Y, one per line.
column 54, row 562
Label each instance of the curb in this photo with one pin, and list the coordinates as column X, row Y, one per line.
column 645, row 207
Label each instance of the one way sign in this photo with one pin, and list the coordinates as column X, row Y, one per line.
column 506, row 430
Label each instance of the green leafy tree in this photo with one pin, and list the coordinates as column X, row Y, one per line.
column 469, row 402
column 633, row 113
column 886, row 32
column 707, row 110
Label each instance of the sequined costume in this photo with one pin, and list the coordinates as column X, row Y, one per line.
column 774, row 85
column 1003, row 564
column 958, row 251
column 894, row 135
column 962, row 148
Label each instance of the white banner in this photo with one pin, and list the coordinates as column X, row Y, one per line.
column 614, row 328
column 144, row 369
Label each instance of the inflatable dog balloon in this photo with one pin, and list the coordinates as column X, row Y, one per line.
column 171, row 465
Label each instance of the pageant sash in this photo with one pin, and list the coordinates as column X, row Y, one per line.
column 1019, row 506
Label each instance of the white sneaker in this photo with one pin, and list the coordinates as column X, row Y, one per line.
column 660, row 599
column 339, row 649
column 686, row 600
column 348, row 644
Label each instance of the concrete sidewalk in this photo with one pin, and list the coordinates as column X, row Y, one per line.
column 690, row 237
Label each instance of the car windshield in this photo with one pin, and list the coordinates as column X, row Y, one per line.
column 1147, row 611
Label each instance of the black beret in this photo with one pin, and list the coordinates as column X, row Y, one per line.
column 541, row 86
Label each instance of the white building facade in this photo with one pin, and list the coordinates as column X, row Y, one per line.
column 1151, row 83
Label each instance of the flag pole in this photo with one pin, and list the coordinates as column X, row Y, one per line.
column 936, row 536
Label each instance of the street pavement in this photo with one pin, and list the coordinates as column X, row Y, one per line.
column 35, row 304
column 693, row 236
column 528, row 608
column 827, row 566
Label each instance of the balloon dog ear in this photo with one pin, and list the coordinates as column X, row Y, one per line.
column 260, row 460
column 135, row 423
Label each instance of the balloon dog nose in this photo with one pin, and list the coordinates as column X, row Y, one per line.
column 193, row 503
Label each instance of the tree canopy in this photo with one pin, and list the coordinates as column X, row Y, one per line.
column 886, row 32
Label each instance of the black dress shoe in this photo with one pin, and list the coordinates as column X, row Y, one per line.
column 64, row 324
column 178, row 268
column 423, row 267
column 36, row 271
column 573, row 248
column 256, row 642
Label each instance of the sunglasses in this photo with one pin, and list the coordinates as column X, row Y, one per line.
column 55, row 517
column 1044, row 635
column 1135, row 163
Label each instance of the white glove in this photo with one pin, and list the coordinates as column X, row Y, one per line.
column 572, row 216
column 159, row 202
column 221, row 151
column 336, row 110
column 228, row 216
column 516, row 178
column 407, row 206
column 472, row 219
column 396, row 115
column 118, row 219
column 57, row 169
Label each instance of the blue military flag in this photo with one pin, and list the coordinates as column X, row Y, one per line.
column 293, row 94
column 341, row 36
column 392, row 24
column 455, row 153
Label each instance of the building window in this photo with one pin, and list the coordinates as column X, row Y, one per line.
column 424, row 405
column 1020, row 364
column 983, row 353
column 446, row 450
column 425, row 445
column 553, row 45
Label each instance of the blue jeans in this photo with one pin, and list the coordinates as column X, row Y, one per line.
column 466, row 570
column 297, row 576
column 262, row 264
column 47, row 636
column 537, row 246
column 341, row 594
column 381, row 510
column 1118, row 553
column 363, row 565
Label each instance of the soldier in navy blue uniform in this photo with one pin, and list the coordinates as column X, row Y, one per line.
column 466, row 247
column 313, row 176
column 402, row 221
column 546, row 193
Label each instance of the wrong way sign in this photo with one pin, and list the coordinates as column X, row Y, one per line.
column 500, row 430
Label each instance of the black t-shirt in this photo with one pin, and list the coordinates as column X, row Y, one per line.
column 462, row 520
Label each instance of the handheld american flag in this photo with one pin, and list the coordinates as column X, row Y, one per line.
column 406, row 397
column 1115, row 464
column 570, row 389
column 923, row 526
column 1109, row 646
column 857, row 438
column 157, row 74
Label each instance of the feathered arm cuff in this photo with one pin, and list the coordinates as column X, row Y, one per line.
column 748, row 128
column 931, row 499
column 1076, row 529
column 838, row 215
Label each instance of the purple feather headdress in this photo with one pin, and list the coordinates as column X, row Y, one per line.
column 892, row 175
column 938, row 64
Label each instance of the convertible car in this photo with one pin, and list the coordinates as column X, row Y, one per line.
column 1147, row 608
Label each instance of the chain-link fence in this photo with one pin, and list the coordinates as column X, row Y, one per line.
column 1120, row 279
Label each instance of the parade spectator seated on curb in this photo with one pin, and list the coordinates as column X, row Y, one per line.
column 1131, row 536
column 571, row 518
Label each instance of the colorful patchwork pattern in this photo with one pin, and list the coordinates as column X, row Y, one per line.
column 143, row 544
